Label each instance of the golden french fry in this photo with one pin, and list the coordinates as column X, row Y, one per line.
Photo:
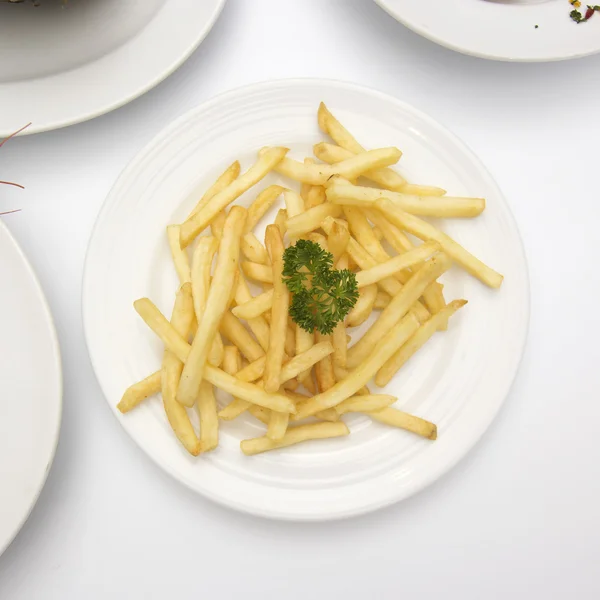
column 181, row 320
column 258, row 272
column 180, row 257
column 423, row 190
column 260, row 413
column 351, row 168
column 312, row 219
column 426, row 231
column 253, row 250
column 342, row 137
column 397, row 418
column 135, row 394
column 279, row 311
column 397, row 308
column 304, row 341
column 337, row 240
column 253, row 371
column 255, row 307
column 316, row 196
column 417, row 341
column 324, row 368
column 278, row 424
column 206, row 407
column 428, row 206
column 248, row 391
column 398, row 263
column 340, row 346
column 227, row 177
column 363, row 233
column 199, row 221
column 364, row 403
column 258, row 325
column 293, row 203
column 363, row 307
column 264, row 201
column 281, row 220
column 381, row 300
column 357, row 378
column 305, row 187
column 216, row 305
column 232, row 363
column 217, row 224
column 239, row 336
column 295, row 435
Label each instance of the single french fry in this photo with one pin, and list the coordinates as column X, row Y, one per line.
column 253, row 371
column 331, row 154
column 293, row 203
column 216, row 305
column 316, row 196
column 305, row 187
column 423, row 190
column 363, row 307
column 358, row 377
column 260, row 413
column 279, row 311
column 258, row 325
column 232, row 363
column 217, row 224
column 304, row 341
column 417, row 341
column 200, row 275
column 199, row 221
column 227, row 177
column 337, row 240
column 278, row 424
column 351, row 168
column 426, row 231
column 363, row 233
column 258, row 272
column 248, row 391
column 206, row 407
column 397, row 418
column 312, row 219
column 255, row 307
column 324, row 368
column 343, row 138
column 239, row 336
column 180, row 257
column 397, row 308
column 281, row 220
column 364, row 403
column 135, row 394
column 427, row 206
column 295, row 435
column 264, row 201
column 253, row 250
column 396, row 264
column 381, row 300
column 181, row 320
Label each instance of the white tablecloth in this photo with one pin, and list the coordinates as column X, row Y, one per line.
column 518, row 518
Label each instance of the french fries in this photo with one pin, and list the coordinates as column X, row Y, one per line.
column 216, row 305
column 428, row 206
column 417, row 341
column 268, row 355
column 295, row 435
column 426, row 231
column 201, row 219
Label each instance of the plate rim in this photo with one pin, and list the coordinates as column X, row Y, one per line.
column 140, row 91
column 165, row 132
column 4, row 230
column 423, row 32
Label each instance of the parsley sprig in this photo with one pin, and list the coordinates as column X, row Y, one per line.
column 322, row 295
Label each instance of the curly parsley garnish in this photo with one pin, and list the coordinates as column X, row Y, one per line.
column 322, row 295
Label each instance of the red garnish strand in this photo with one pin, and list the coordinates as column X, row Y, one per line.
column 11, row 183
column 10, row 212
column 588, row 13
column 12, row 135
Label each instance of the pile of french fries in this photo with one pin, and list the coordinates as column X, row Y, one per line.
column 300, row 383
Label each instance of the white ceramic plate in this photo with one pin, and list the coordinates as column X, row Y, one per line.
column 60, row 66
column 501, row 29
column 31, row 398
column 458, row 381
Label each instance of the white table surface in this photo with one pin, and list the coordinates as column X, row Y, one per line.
column 518, row 518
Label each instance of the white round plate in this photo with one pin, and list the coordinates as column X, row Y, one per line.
column 458, row 381
column 61, row 65
column 31, row 398
column 501, row 29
